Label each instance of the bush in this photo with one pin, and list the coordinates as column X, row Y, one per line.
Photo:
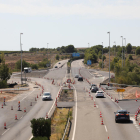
column 100, row 64
column 24, row 64
column 39, row 138
column 65, row 91
column 138, row 51
column 34, row 66
column 3, row 84
column 130, row 57
column 57, row 57
column 41, row 127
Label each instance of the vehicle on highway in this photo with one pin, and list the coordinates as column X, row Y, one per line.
column 76, row 76
column 46, row 96
column 80, row 78
column 59, row 63
column 99, row 94
column 122, row 115
column 27, row 69
column 55, row 67
column 94, row 89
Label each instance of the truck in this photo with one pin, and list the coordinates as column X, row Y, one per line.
column 27, row 69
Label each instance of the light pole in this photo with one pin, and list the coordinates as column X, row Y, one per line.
column 122, row 51
column 102, row 55
column 21, row 56
column 47, row 55
column 109, row 56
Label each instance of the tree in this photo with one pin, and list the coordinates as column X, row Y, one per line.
column 128, row 48
column 130, row 57
column 57, row 57
column 104, row 57
column 138, row 51
column 34, row 66
column 100, row 55
column 24, row 64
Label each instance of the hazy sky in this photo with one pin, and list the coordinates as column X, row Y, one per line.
column 64, row 22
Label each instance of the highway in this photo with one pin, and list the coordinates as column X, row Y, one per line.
column 86, row 123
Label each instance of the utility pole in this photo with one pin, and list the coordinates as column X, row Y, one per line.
column 102, row 55
column 122, row 51
column 109, row 56
column 21, row 56
column 47, row 55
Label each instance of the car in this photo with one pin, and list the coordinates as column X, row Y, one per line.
column 59, row 63
column 122, row 115
column 99, row 94
column 94, row 89
column 76, row 76
column 46, row 96
column 80, row 78
column 56, row 67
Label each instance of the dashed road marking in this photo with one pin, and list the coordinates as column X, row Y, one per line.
column 5, row 131
column 105, row 128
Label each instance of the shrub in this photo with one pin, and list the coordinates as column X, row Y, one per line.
column 34, row 66
column 130, row 57
column 57, row 57
column 100, row 64
column 41, row 127
column 65, row 91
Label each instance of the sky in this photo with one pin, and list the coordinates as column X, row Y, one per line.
column 82, row 23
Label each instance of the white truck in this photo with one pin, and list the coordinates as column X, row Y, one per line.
column 27, row 69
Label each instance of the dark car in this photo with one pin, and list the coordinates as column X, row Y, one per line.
column 56, row 67
column 122, row 115
column 94, row 89
column 80, row 78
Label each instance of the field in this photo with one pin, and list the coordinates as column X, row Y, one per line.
column 32, row 58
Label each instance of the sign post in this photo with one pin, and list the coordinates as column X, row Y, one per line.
column 121, row 90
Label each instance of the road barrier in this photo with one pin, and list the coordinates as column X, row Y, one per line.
column 24, row 109
column 102, row 122
column 135, row 117
column 136, row 100
column 11, row 107
column 2, row 106
column 100, row 114
column 4, row 101
column 94, row 104
column 19, row 106
column 5, row 125
column 15, row 116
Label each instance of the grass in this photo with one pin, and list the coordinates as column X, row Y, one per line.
column 58, row 123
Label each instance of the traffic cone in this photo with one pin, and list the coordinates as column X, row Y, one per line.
column 31, row 104
column 56, row 104
column 100, row 114
column 111, row 97
column 135, row 117
column 136, row 100
column 46, row 115
column 2, row 106
column 117, row 101
column 139, row 122
column 24, row 109
column 40, row 94
column 37, row 95
column 11, row 107
column 15, row 116
column 102, row 122
column 5, row 125
column 108, row 138
column 94, row 104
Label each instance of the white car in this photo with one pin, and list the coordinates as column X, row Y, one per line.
column 46, row 96
column 99, row 94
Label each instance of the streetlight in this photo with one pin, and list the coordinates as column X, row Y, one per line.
column 21, row 56
column 109, row 56
column 47, row 55
column 102, row 55
column 122, row 51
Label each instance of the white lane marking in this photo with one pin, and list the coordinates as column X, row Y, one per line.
column 97, row 106
column 105, row 128
column 27, row 95
column 5, row 131
column 75, row 120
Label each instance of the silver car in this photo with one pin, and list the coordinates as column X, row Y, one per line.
column 46, row 96
column 99, row 94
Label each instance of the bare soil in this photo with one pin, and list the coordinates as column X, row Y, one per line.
column 67, row 96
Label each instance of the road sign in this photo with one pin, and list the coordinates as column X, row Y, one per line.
column 120, row 90
column 76, row 54
column 89, row 62
column 68, row 80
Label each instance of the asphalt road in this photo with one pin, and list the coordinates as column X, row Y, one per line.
column 20, row 129
column 88, row 122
